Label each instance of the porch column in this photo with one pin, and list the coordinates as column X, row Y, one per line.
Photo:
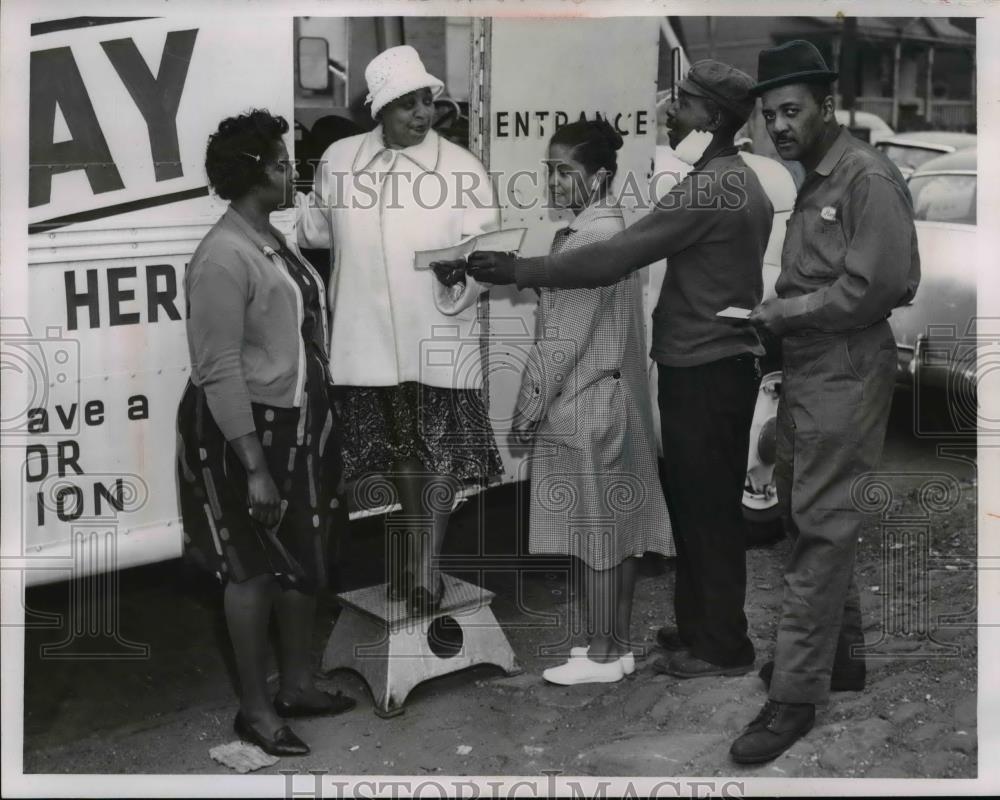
column 837, row 65
column 897, row 55
column 973, row 77
column 929, row 91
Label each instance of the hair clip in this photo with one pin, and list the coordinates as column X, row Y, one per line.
column 251, row 155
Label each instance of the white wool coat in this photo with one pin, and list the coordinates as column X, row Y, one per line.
column 377, row 206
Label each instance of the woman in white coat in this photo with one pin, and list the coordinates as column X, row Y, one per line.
column 404, row 354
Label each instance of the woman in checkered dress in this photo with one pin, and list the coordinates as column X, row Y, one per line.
column 584, row 399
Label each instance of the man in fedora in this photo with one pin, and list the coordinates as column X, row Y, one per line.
column 849, row 258
column 713, row 227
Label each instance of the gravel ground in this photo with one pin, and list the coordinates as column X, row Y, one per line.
column 162, row 711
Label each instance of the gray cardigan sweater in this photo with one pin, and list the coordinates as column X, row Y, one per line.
column 244, row 324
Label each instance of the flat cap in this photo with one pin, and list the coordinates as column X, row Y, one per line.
column 723, row 83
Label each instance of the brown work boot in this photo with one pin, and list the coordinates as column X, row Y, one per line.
column 842, row 679
column 776, row 728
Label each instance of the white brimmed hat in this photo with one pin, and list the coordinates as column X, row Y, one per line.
column 395, row 72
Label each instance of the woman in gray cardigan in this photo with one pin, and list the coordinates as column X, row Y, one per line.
column 258, row 455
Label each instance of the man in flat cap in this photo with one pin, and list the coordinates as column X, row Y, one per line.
column 849, row 258
column 713, row 228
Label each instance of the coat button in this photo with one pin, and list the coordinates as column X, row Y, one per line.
column 616, row 374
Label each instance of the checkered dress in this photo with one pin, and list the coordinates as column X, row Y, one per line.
column 595, row 488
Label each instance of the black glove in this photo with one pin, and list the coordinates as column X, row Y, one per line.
column 488, row 266
column 449, row 272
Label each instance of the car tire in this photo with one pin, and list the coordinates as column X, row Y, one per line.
column 761, row 516
column 764, row 532
column 760, row 500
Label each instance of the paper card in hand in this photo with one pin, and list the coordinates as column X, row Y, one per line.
column 506, row 241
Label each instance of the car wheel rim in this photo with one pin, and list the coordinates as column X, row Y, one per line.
column 760, row 492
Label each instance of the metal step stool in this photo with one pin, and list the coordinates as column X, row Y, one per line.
column 377, row 638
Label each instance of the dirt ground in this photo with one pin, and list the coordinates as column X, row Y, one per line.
column 161, row 709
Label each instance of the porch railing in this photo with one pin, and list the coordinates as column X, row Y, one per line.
column 881, row 106
column 951, row 115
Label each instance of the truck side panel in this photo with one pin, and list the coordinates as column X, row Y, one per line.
column 119, row 118
column 533, row 86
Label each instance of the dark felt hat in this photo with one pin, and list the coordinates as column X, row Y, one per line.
column 797, row 61
column 723, row 83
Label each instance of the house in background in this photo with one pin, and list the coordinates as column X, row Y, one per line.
column 914, row 72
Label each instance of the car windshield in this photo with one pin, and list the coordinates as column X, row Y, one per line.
column 944, row 198
column 908, row 158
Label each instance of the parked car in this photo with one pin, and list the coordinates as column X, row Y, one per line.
column 944, row 188
column 911, row 150
column 936, row 333
column 877, row 128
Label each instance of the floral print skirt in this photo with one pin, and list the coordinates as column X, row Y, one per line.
column 447, row 431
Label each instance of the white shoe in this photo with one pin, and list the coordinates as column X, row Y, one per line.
column 627, row 661
column 583, row 670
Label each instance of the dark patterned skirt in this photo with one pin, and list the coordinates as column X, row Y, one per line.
column 301, row 447
column 447, row 431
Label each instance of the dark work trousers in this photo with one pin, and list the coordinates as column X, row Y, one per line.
column 835, row 398
column 705, row 416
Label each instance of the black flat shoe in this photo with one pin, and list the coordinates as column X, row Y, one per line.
column 670, row 639
column 284, row 743
column 336, row 704
column 423, row 601
column 685, row 665
column 845, row 679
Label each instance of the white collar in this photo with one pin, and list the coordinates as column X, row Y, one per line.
column 425, row 155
